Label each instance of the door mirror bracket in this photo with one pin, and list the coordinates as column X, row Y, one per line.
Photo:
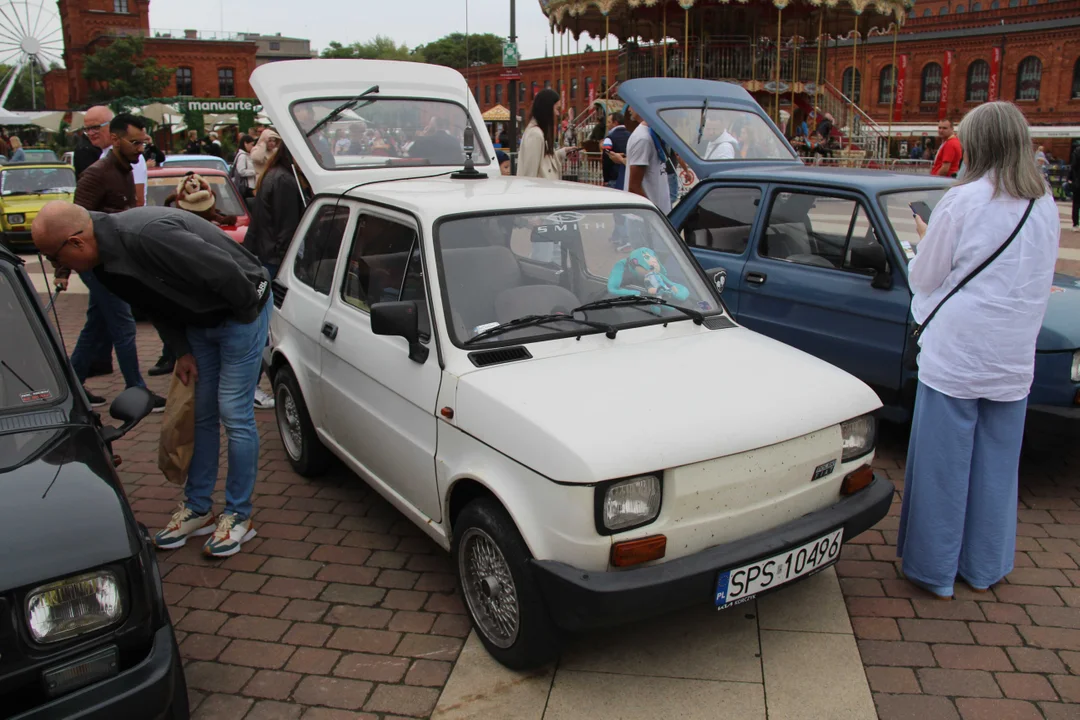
column 130, row 407
column 872, row 257
column 399, row 319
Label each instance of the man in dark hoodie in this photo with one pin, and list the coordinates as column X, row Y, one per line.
column 209, row 298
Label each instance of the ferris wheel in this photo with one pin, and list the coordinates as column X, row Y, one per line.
column 30, row 39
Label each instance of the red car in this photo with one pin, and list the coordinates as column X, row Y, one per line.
column 161, row 183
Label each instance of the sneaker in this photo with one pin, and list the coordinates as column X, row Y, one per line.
column 263, row 400
column 95, row 400
column 230, row 534
column 165, row 366
column 159, row 403
column 184, row 524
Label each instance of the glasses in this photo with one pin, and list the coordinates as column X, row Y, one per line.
column 52, row 257
column 97, row 128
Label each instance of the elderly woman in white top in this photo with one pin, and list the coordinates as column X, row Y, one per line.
column 977, row 356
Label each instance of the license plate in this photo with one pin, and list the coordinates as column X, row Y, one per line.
column 742, row 584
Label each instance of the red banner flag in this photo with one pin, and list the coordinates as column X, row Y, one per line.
column 592, row 94
column 995, row 73
column 901, row 80
column 943, row 103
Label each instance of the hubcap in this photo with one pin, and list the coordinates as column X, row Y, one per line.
column 489, row 587
column 288, row 417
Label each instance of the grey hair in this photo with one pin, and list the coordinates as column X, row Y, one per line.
column 997, row 143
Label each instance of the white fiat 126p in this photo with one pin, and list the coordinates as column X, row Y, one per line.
column 539, row 376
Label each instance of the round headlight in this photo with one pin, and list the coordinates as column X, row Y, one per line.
column 859, row 437
column 74, row 606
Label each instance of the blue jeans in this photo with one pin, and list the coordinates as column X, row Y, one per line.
column 229, row 358
column 108, row 324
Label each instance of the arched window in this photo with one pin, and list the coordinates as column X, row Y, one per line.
column 1014, row 3
column 885, row 85
column 1076, row 80
column 944, row 10
column 1028, row 78
column 960, row 9
column 976, row 7
column 995, row 5
column 498, row 94
column 1033, row 2
column 930, row 92
column 184, row 86
column 927, row 12
column 978, row 82
column 853, row 93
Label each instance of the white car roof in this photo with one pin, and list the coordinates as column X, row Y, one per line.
column 433, row 198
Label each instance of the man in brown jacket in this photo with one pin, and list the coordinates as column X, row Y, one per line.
column 108, row 186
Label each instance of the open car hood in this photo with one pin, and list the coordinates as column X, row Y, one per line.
column 651, row 97
column 281, row 84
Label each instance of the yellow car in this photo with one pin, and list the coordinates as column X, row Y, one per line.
column 24, row 188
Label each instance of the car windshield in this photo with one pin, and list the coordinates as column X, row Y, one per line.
column 27, row 377
column 381, row 132
column 499, row 269
column 41, row 155
column 897, row 207
column 158, row 190
column 724, row 134
column 35, row 181
column 206, row 164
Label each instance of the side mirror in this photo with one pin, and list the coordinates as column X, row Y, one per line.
column 872, row 257
column 719, row 278
column 129, row 407
column 400, row 319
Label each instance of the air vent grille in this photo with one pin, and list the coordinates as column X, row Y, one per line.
column 718, row 322
column 497, row 357
column 29, row 421
column 279, row 291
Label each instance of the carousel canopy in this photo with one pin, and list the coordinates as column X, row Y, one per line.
column 646, row 19
column 497, row 114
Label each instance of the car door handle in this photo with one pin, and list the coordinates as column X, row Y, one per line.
column 330, row 330
column 756, row 278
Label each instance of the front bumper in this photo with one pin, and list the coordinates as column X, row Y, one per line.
column 17, row 239
column 143, row 691
column 578, row 599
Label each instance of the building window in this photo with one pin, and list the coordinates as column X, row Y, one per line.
column 927, row 12
column 184, row 85
column 1033, row 2
column 275, row 45
column 976, row 7
column 487, row 94
column 225, row 83
column 1014, row 3
column 588, row 86
column 852, row 93
column 476, row 93
column 547, row 84
column 498, row 94
column 1076, row 80
column 521, row 91
column 944, row 10
column 885, row 85
column 573, row 88
column 978, row 82
column 930, row 92
column 1028, row 78
column 603, row 84
column 960, row 9
column 120, row 6
column 995, row 5
column 535, row 88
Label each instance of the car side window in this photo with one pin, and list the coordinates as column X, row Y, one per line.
column 385, row 266
column 723, row 220
column 817, row 230
column 317, row 255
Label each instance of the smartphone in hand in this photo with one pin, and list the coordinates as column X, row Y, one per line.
column 922, row 210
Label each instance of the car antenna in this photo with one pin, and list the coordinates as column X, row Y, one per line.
column 469, row 172
column 53, row 296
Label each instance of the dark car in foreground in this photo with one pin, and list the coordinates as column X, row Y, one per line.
column 84, row 630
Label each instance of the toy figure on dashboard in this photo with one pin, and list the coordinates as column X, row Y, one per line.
column 642, row 273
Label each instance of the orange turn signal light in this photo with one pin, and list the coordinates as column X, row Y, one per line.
column 857, row 480
column 635, row 552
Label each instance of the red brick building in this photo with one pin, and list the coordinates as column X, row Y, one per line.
column 204, row 68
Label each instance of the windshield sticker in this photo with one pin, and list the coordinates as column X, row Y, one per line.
column 568, row 221
column 1056, row 289
column 36, row 396
column 486, row 326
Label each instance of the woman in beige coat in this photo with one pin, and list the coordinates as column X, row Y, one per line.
column 538, row 158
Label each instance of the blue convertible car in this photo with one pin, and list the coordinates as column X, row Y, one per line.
column 818, row 258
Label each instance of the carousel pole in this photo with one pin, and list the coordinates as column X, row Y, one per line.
column 854, row 74
column 817, row 70
column 892, row 101
column 553, row 55
column 776, row 90
column 753, row 52
column 665, row 38
column 686, row 43
column 794, row 72
column 607, row 53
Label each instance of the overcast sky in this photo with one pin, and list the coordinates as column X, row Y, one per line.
column 412, row 22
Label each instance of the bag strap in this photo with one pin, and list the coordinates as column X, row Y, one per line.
column 919, row 330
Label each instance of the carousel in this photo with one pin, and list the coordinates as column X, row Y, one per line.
column 777, row 49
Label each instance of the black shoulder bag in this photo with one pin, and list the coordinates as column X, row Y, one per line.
column 919, row 329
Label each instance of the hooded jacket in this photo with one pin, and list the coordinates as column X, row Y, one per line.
column 181, row 270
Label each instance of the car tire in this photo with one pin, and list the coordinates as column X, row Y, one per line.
column 305, row 450
column 488, row 550
column 180, row 709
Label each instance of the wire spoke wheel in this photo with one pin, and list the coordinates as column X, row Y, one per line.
column 288, row 417
column 489, row 587
column 30, row 41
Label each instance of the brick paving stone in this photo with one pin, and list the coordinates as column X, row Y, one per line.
column 1027, row 595
column 435, row 582
column 942, row 631
column 434, row 673
column 980, row 709
column 317, row 713
column 964, row 657
column 342, row 555
column 333, row 692
column 429, row 647
column 1037, row 576
column 879, row 607
column 253, row 653
column 445, row 603
column 293, row 588
column 1033, row 660
column 1067, row 686
column 216, row 677
column 352, row 594
column 907, row 654
column 358, row 616
column 202, row 621
column 1071, row 658
column 222, row 707
column 453, row 625
column 1025, row 686
column 311, row 634
column 1051, row 638
column 198, row 575
column 1003, row 613
column 252, row 604
column 404, row 600
column 995, row 634
column 244, row 582
column 270, row 710
column 272, row 684
column 363, row 640
column 291, row 567
column 1058, row 711
column 397, row 579
column 404, row 700
column 294, row 549
column 865, row 569
column 941, row 610
column 203, row 598
column 869, row 628
column 914, row 707
column 412, row 622
column 883, row 679
column 281, row 531
column 313, row 661
column 1064, row 617
column 304, row 610
column 349, row 574
column 969, row 683
column 202, row 647
column 254, row 628
column 377, row 668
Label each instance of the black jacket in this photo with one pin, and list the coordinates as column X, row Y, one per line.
column 180, row 269
column 85, row 155
column 277, row 212
column 1074, row 166
column 620, row 137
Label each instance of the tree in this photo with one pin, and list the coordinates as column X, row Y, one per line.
column 450, row 50
column 20, row 99
column 379, row 48
column 120, row 69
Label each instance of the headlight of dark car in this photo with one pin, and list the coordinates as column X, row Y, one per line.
column 860, row 435
column 16, row 218
column 75, row 606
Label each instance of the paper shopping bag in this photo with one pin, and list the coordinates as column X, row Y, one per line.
column 177, row 443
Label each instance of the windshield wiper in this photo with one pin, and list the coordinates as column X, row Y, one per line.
column 632, row 300
column 9, row 193
column 533, row 320
column 340, row 109
column 701, row 123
